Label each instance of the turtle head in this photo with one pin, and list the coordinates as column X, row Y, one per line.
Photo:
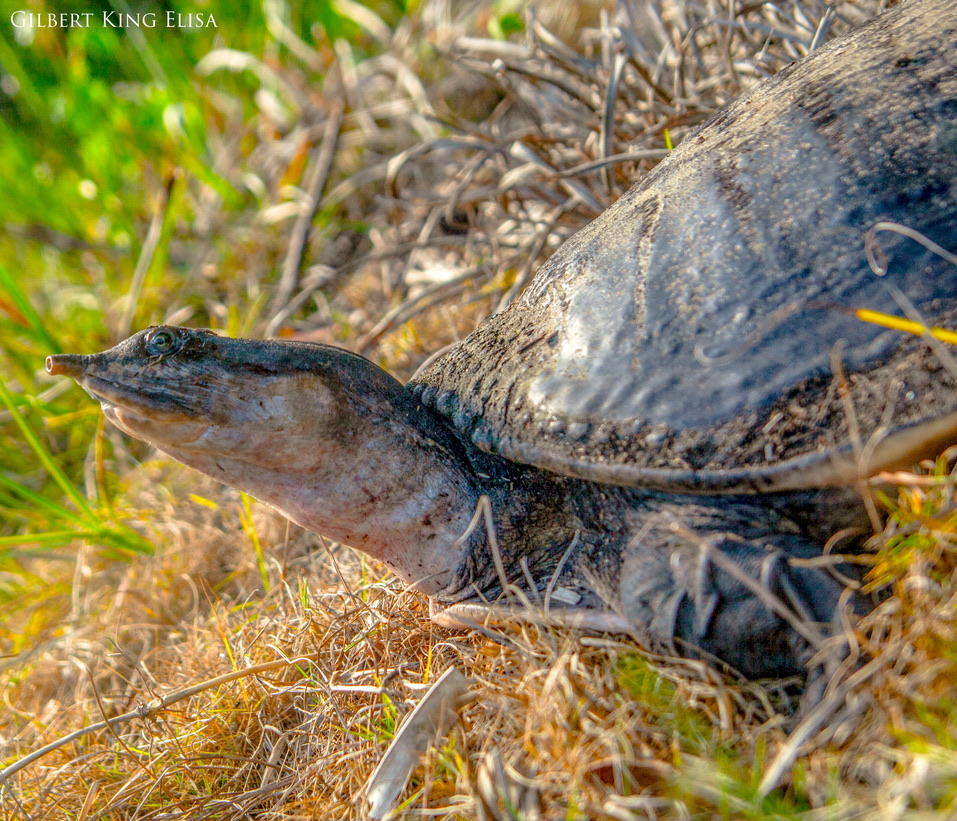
column 146, row 385
column 322, row 434
column 198, row 395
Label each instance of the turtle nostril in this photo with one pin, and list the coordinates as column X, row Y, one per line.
column 67, row 364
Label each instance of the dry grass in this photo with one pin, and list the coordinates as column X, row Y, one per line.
column 466, row 169
column 562, row 725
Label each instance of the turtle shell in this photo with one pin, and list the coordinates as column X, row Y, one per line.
column 705, row 332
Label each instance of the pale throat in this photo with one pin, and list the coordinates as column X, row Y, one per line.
column 407, row 507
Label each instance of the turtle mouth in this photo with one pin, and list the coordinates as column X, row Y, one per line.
column 149, row 415
column 124, row 418
column 145, row 397
column 152, row 405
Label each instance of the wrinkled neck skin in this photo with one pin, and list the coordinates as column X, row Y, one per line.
column 383, row 487
column 409, row 501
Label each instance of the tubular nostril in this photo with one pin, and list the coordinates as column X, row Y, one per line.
column 67, row 364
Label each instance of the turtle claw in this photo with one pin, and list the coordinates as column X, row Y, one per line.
column 707, row 597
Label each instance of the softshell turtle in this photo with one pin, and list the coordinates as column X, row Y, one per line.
column 664, row 432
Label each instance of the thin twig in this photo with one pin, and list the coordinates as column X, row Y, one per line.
column 813, row 722
column 147, row 252
column 321, row 166
column 148, row 709
column 434, row 294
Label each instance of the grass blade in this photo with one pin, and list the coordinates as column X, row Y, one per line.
column 46, row 459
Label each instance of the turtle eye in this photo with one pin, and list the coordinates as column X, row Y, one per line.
column 162, row 341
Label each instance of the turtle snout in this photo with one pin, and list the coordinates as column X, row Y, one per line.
column 66, row 364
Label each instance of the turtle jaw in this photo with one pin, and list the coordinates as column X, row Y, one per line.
column 144, row 414
column 164, row 433
column 199, row 414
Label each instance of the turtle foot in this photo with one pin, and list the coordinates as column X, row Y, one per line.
column 761, row 607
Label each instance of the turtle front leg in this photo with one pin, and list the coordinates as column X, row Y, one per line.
column 750, row 602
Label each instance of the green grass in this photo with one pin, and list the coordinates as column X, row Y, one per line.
column 101, row 130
